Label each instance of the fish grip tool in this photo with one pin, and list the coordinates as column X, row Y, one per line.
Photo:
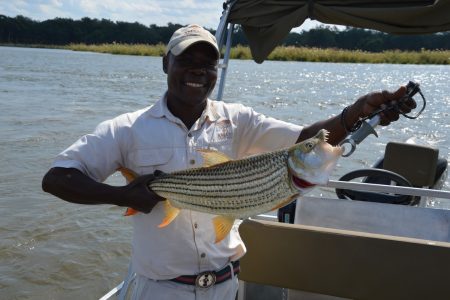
column 366, row 126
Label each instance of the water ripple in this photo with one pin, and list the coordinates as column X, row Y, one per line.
column 51, row 249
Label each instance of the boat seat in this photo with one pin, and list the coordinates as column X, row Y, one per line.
column 344, row 263
column 416, row 163
column 419, row 165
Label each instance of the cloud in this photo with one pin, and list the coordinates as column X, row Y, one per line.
column 159, row 12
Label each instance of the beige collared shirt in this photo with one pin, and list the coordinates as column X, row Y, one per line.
column 153, row 139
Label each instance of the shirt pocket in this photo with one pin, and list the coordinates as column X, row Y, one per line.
column 147, row 161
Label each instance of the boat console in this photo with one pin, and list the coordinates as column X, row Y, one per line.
column 404, row 164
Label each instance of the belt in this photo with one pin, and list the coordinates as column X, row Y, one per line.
column 209, row 278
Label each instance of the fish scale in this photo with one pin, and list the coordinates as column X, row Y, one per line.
column 239, row 188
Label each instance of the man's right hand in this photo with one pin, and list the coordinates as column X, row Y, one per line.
column 139, row 196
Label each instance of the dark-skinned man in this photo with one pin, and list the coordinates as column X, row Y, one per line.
column 178, row 261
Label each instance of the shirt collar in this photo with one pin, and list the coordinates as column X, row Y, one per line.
column 160, row 109
column 210, row 112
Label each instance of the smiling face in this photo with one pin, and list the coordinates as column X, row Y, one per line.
column 191, row 77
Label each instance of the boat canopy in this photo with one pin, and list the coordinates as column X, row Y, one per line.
column 267, row 22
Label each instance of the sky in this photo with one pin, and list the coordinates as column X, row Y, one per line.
column 160, row 12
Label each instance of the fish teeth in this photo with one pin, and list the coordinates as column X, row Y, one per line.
column 326, row 135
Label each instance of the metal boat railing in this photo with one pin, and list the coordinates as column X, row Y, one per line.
column 370, row 187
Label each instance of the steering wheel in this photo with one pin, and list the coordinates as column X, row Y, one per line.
column 386, row 176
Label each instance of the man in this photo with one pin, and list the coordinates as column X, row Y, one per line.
column 165, row 137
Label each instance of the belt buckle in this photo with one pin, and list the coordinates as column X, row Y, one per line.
column 205, row 280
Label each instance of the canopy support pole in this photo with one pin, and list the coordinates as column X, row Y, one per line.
column 224, row 65
column 224, row 27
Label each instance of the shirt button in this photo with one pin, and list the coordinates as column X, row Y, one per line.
column 195, row 225
column 189, row 134
column 202, row 255
column 192, row 161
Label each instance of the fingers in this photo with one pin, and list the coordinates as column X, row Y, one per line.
column 141, row 198
column 388, row 116
column 397, row 103
column 144, row 209
column 389, row 99
column 405, row 105
column 147, row 178
column 158, row 173
column 156, row 197
column 395, row 96
column 139, row 194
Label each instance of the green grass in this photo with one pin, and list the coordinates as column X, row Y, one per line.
column 291, row 54
column 125, row 49
column 337, row 55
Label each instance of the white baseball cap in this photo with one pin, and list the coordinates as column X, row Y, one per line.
column 186, row 36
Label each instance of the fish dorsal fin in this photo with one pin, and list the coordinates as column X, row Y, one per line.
column 222, row 226
column 129, row 174
column 213, row 157
column 171, row 213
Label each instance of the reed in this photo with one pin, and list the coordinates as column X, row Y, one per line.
column 358, row 56
column 291, row 54
column 124, row 49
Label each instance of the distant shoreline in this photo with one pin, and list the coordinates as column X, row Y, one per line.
column 431, row 57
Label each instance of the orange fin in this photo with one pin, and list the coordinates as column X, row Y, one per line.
column 129, row 175
column 222, row 226
column 171, row 213
column 130, row 212
column 213, row 157
column 285, row 202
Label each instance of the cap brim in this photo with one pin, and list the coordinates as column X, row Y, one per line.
column 182, row 46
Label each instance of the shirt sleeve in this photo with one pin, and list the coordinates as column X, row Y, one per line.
column 97, row 154
column 257, row 133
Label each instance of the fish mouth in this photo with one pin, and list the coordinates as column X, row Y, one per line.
column 334, row 150
column 300, row 183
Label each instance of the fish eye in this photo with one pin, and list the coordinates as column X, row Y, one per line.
column 308, row 146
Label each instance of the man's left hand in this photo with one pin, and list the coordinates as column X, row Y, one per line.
column 371, row 102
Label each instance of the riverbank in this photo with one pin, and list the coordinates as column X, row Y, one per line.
column 423, row 57
column 291, row 54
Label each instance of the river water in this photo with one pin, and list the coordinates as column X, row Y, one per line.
column 50, row 249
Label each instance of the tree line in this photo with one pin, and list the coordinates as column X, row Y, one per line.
column 64, row 31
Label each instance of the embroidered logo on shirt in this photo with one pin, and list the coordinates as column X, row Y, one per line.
column 222, row 131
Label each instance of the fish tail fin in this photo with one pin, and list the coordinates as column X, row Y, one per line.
column 222, row 226
column 129, row 175
column 171, row 213
column 130, row 212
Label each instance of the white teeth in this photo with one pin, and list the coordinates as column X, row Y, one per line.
column 192, row 84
